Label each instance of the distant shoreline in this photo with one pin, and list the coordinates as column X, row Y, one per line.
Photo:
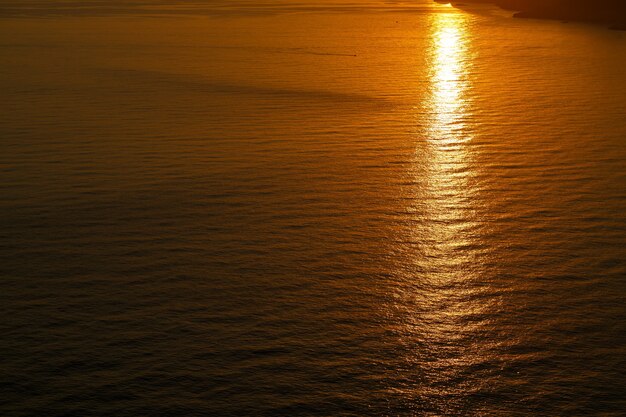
column 606, row 12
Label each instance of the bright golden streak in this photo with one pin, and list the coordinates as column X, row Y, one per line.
column 449, row 66
column 449, row 227
column 449, row 206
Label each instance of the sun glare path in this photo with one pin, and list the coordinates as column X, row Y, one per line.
column 448, row 227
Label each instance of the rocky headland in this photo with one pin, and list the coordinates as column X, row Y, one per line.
column 609, row 12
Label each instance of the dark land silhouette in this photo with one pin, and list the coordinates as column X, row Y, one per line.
column 610, row 12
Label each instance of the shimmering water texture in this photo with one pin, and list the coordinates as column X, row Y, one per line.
column 237, row 208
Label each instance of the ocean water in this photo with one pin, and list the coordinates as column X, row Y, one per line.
column 297, row 208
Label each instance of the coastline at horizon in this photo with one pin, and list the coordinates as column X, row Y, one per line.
column 606, row 12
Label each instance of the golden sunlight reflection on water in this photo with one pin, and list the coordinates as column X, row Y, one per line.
column 450, row 264
column 450, row 212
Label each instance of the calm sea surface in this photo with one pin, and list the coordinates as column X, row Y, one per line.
column 298, row 208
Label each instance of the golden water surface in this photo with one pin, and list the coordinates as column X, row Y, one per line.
column 309, row 208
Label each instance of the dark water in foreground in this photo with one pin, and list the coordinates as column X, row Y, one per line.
column 298, row 209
